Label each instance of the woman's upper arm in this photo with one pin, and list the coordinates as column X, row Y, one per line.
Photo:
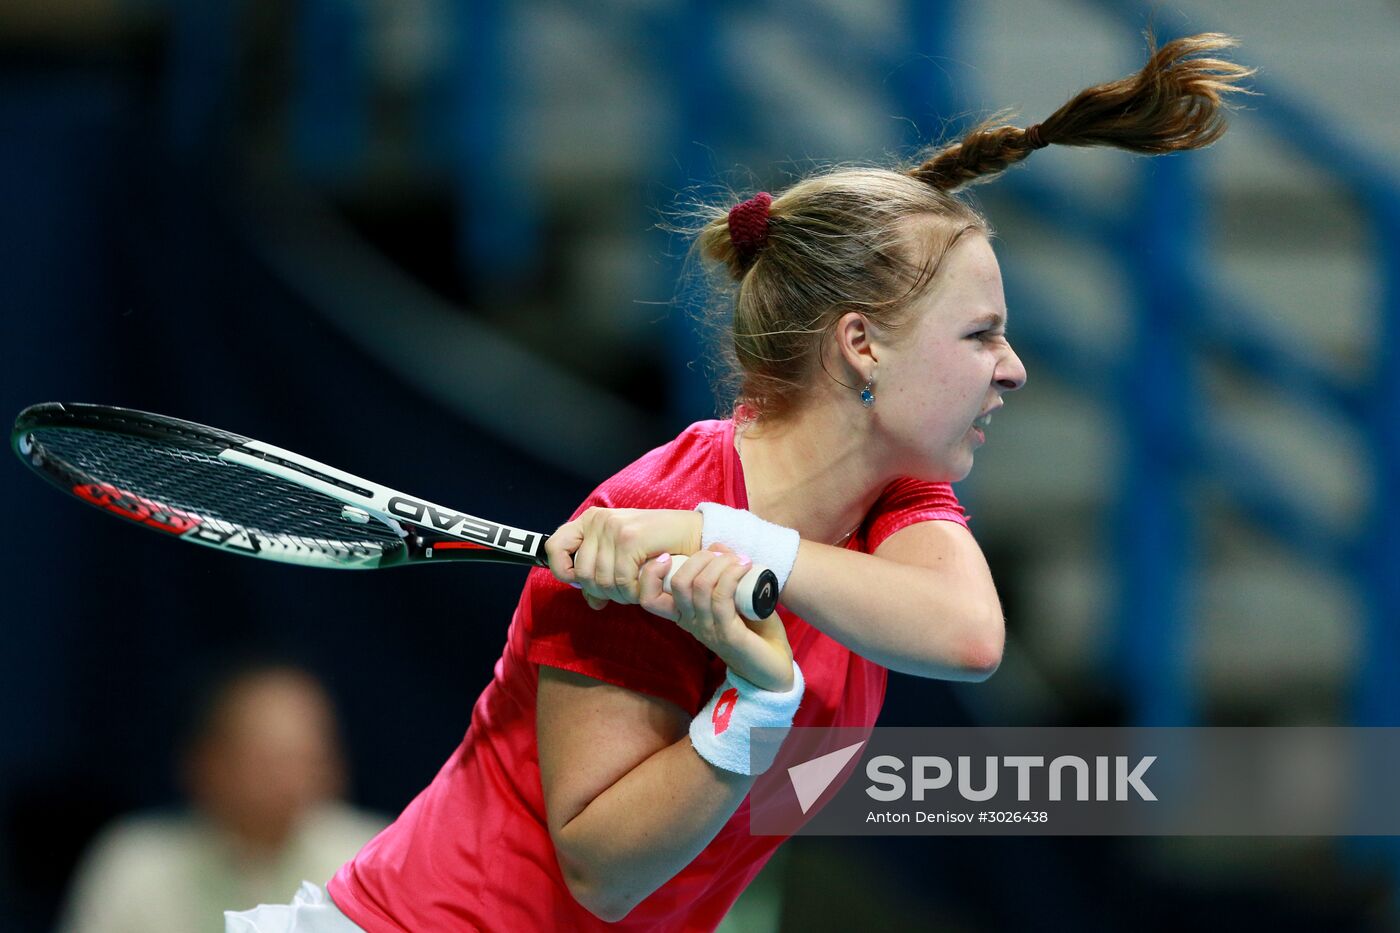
column 944, row 546
column 949, row 549
column 590, row 734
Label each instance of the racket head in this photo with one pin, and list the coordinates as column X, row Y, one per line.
column 165, row 474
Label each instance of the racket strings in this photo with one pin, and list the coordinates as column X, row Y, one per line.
column 180, row 485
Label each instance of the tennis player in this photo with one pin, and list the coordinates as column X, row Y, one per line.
column 603, row 781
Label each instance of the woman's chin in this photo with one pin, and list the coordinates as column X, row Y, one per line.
column 959, row 468
column 945, row 472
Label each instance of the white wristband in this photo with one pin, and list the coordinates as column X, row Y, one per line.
column 720, row 733
column 767, row 544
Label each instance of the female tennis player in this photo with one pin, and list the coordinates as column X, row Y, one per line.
column 604, row 777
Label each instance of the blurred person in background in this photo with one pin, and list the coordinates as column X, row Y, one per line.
column 263, row 770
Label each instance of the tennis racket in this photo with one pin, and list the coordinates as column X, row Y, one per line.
column 225, row 491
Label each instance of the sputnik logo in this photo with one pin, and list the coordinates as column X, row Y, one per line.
column 811, row 778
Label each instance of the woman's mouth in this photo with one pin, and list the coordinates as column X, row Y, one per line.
column 979, row 427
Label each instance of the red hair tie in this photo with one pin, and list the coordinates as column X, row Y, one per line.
column 748, row 226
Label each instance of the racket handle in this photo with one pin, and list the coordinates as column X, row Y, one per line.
column 756, row 597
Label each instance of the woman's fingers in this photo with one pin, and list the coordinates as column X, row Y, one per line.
column 602, row 581
column 651, row 590
column 702, row 590
column 702, row 604
column 584, row 559
column 722, row 598
column 681, row 585
column 560, row 548
column 604, row 549
column 592, row 552
column 693, row 589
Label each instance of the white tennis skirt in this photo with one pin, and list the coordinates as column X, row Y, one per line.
column 311, row 911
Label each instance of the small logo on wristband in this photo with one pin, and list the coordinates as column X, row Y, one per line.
column 724, row 709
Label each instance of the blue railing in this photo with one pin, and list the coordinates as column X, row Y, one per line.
column 330, row 120
column 1366, row 555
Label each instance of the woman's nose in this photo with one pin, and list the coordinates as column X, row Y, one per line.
column 1011, row 372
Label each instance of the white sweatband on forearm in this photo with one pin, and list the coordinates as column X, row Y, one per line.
column 720, row 733
column 773, row 546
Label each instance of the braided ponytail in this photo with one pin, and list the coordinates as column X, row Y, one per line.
column 1174, row 103
column 873, row 240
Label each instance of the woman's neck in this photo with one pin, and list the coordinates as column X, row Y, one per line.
column 810, row 471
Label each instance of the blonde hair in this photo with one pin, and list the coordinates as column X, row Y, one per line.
column 841, row 240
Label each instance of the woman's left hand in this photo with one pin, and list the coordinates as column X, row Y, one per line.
column 701, row 601
column 603, row 550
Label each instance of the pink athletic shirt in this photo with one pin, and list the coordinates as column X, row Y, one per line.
column 473, row 851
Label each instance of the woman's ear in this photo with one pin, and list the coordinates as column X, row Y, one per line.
column 856, row 344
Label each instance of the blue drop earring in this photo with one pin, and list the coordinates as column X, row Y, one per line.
column 867, row 394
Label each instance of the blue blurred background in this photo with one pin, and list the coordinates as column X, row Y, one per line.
column 417, row 239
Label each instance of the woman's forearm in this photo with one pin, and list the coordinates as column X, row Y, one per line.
column 645, row 828
column 943, row 622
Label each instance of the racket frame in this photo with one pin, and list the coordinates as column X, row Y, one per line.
column 428, row 532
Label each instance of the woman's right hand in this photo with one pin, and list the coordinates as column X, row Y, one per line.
column 701, row 601
column 603, row 550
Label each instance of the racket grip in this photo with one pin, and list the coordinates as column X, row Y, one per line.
column 756, row 597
